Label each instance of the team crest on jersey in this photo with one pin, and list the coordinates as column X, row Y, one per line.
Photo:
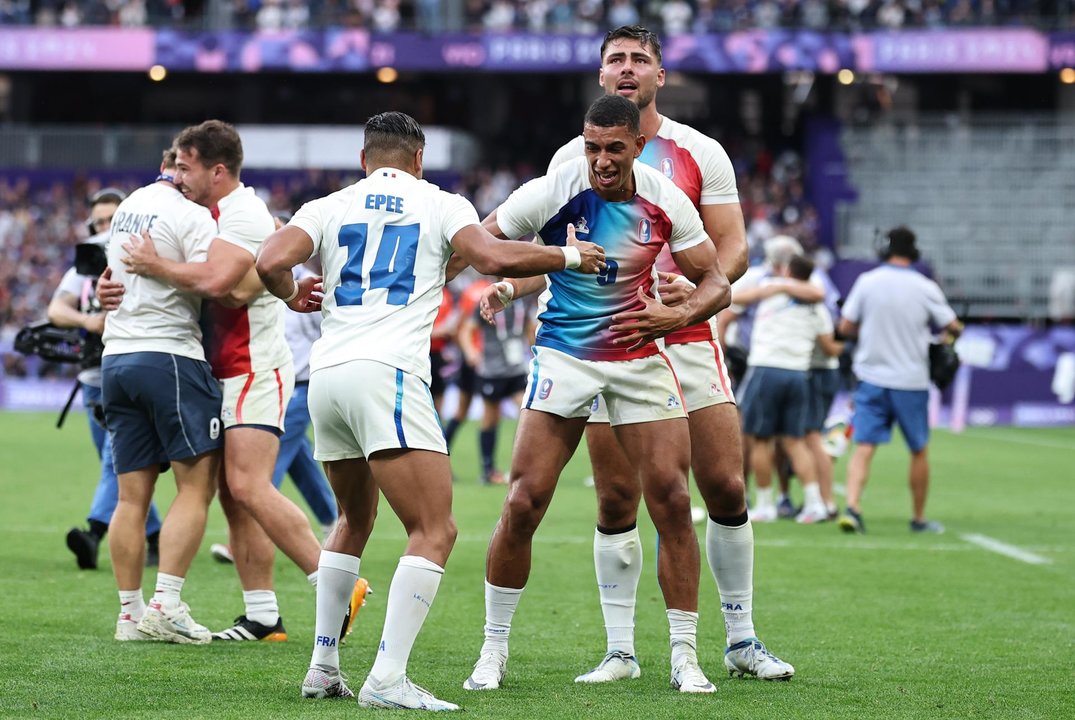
column 581, row 227
column 668, row 168
column 713, row 389
column 545, row 389
column 644, row 231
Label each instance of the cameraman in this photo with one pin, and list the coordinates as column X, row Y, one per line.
column 74, row 305
column 891, row 310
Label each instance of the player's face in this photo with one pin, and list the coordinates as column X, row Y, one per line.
column 192, row 178
column 101, row 216
column 630, row 69
column 611, row 153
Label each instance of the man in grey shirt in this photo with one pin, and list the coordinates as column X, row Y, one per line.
column 893, row 311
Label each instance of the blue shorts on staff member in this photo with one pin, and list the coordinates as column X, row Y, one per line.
column 774, row 402
column 876, row 408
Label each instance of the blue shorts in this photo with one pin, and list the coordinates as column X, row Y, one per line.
column 876, row 408
column 159, row 407
column 824, row 383
column 774, row 402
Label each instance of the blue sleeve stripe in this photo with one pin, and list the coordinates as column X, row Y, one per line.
column 399, row 409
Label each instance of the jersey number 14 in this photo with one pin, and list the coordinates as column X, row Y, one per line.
column 393, row 266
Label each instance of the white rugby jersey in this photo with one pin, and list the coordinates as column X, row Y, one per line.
column 383, row 243
column 154, row 316
column 698, row 166
column 785, row 332
column 248, row 339
column 576, row 309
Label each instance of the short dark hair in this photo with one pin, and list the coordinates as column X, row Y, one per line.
column 216, row 141
column 633, row 32
column 109, row 195
column 902, row 243
column 393, row 134
column 800, row 267
column 613, row 111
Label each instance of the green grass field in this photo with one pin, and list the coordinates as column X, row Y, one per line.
column 885, row 625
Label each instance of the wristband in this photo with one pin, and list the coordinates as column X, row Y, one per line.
column 294, row 294
column 505, row 292
column 572, row 257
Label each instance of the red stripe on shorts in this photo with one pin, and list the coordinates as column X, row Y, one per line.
column 720, row 371
column 676, row 378
column 280, row 397
column 242, row 396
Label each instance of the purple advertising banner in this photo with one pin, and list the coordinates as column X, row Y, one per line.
column 81, row 49
column 347, row 50
column 1001, row 50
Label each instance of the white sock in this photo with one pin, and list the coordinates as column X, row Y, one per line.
column 763, row 497
column 312, row 579
column 132, row 603
column 812, row 496
column 167, row 590
column 682, row 635
column 500, row 604
column 338, row 573
column 411, row 594
column 618, row 562
column 730, row 551
column 261, row 606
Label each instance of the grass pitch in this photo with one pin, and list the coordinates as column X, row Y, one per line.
column 886, row 625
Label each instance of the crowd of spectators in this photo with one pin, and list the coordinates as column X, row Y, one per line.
column 556, row 16
column 40, row 225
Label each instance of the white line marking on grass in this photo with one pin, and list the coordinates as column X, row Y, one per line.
column 1002, row 548
column 1015, row 438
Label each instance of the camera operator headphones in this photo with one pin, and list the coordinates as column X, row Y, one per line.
column 104, row 195
column 899, row 241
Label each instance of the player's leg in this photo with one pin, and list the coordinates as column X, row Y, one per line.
column 872, row 422
column 911, row 408
column 823, row 464
column 305, row 472
column 794, row 409
column 487, row 432
column 617, row 549
column 126, row 544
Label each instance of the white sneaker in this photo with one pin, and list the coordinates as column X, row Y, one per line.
column 222, row 553
column 173, row 625
column 812, row 514
column 616, row 666
column 403, row 695
column 488, row 672
column 763, row 514
column 687, row 677
column 321, row 684
column 127, row 629
column 750, row 657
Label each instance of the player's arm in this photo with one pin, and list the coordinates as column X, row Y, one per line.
column 249, row 287
column 725, row 318
column 847, row 329
column 798, row 289
column 465, row 338
column 279, row 254
column 225, row 265
column 830, row 345
column 700, row 265
column 63, row 312
column 490, row 255
column 725, row 227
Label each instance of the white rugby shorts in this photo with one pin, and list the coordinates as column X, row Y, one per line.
column 258, row 398
column 637, row 391
column 703, row 377
column 363, row 406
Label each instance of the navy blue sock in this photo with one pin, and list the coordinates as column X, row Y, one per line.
column 487, row 442
column 449, row 430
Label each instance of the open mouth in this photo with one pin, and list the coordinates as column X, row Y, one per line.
column 626, row 87
column 606, row 179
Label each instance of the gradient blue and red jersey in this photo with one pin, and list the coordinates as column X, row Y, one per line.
column 700, row 168
column 576, row 309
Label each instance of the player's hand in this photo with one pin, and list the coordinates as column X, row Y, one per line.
column 644, row 326
column 673, row 289
column 494, row 299
column 94, row 323
column 311, row 293
column 109, row 292
column 141, row 255
column 593, row 256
